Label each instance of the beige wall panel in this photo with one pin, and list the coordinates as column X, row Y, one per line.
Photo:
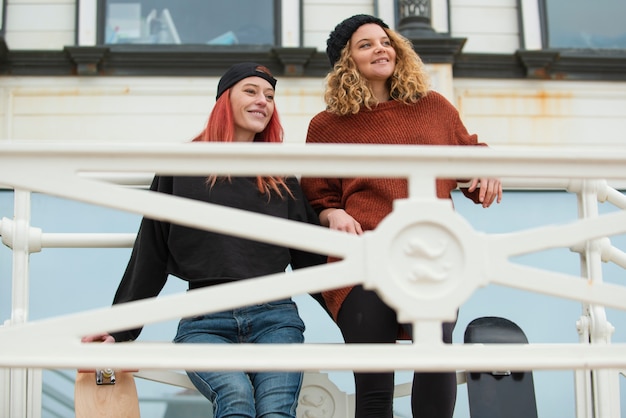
column 321, row 18
column 40, row 17
column 483, row 3
column 325, row 17
column 490, row 26
column 296, row 128
column 330, row 3
column 298, row 101
column 300, row 96
column 316, row 40
column 40, row 1
column 546, row 104
column 132, row 128
column 4, row 100
column 112, row 128
column 501, row 112
column 111, row 104
column 490, row 43
column 491, row 30
column 512, row 131
column 484, row 20
column 107, row 108
column 161, row 109
column 517, row 112
column 18, row 40
column 40, row 25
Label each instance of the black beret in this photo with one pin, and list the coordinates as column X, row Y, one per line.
column 238, row 72
column 341, row 35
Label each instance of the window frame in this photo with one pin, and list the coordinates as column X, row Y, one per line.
column 3, row 13
column 292, row 59
column 545, row 32
column 101, row 21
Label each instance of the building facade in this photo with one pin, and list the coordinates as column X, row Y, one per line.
column 493, row 59
column 547, row 74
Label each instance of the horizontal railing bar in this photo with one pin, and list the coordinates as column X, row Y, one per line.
column 320, row 160
column 314, row 357
column 87, row 240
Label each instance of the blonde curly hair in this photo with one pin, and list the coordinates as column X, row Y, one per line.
column 347, row 92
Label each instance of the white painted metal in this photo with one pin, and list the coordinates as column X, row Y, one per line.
column 290, row 23
column 318, row 393
column 531, row 30
column 440, row 16
column 19, row 298
column 599, row 386
column 23, row 393
column 87, row 22
column 386, row 10
column 476, row 257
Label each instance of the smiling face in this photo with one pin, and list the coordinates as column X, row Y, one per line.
column 372, row 53
column 252, row 103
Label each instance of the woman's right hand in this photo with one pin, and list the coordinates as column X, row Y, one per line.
column 102, row 338
column 339, row 220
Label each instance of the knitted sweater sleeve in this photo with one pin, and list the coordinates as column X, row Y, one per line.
column 463, row 137
column 322, row 192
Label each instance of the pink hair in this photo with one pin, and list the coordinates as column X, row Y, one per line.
column 221, row 128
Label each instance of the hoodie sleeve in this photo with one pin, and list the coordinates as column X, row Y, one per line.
column 301, row 210
column 146, row 272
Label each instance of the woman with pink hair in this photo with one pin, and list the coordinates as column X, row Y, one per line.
column 244, row 112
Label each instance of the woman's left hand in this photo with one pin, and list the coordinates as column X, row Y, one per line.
column 98, row 338
column 490, row 190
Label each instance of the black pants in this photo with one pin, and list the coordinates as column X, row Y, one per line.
column 365, row 318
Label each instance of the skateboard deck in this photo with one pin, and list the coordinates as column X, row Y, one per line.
column 105, row 393
column 499, row 394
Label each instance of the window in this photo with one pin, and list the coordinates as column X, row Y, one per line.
column 207, row 22
column 583, row 24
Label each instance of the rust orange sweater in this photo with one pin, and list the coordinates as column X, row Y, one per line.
column 433, row 120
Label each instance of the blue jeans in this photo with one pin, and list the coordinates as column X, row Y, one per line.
column 247, row 394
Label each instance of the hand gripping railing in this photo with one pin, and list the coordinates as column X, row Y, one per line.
column 424, row 259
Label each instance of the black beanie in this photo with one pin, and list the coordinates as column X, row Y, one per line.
column 238, row 72
column 342, row 33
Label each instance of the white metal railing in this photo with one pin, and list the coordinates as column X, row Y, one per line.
column 74, row 171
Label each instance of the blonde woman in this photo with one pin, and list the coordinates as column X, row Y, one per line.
column 378, row 93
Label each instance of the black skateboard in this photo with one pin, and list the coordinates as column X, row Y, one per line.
column 499, row 394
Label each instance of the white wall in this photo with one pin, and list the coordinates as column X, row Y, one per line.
column 489, row 25
column 501, row 112
column 40, row 24
column 118, row 109
column 527, row 112
column 133, row 108
column 321, row 17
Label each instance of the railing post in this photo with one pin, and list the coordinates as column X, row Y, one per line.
column 24, row 384
column 599, row 388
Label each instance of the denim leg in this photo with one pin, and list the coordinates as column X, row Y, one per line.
column 240, row 394
column 231, row 393
column 277, row 393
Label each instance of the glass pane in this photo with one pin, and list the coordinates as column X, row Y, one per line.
column 586, row 24
column 218, row 22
